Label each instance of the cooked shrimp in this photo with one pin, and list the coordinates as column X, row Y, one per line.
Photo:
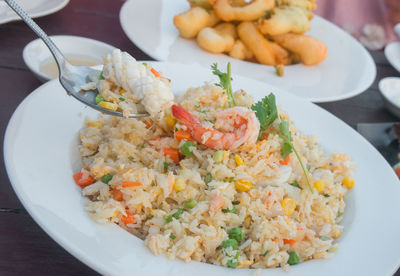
column 217, row 202
column 238, row 125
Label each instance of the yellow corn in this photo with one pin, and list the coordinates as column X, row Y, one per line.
column 179, row 185
column 122, row 91
column 243, row 185
column 170, row 121
column 225, row 156
column 246, row 262
column 288, row 206
column 96, row 124
column 320, row 185
column 99, row 171
column 109, row 106
column 348, row 182
column 238, row 160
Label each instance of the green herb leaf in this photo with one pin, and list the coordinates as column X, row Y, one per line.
column 106, row 178
column 225, row 82
column 295, row 184
column 232, row 263
column 230, row 243
column 325, row 238
column 172, row 237
column 266, row 112
column 178, row 213
column 233, row 210
column 265, row 253
column 166, row 165
column 122, row 99
column 236, row 233
column 293, row 258
column 327, row 195
column 101, row 77
column 186, row 148
column 99, row 98
column 144, row 63
column 168, row 219
column 207, row 178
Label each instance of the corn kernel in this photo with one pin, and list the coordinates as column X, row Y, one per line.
column 109, row 106
column 96, row 124
column 320, row 185
column 246, row 262
column 348, row 182
column 243, row 185
column 288, row 206
column 179, row 185
column 238, row 160
column 225, row 155
column 122, row 91
column 171, row 121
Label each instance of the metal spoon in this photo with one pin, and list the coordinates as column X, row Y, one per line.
column 71, row 77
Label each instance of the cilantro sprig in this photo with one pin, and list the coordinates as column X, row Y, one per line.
column 266, row 112
column 225, row 82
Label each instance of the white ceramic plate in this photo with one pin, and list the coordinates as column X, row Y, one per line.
column 392, row 54
column 34, row 8
column 36, row 52
column 347, row 71
column 41, row 155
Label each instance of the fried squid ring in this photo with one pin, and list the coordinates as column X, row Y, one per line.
column 266, row 52
column 285, row 20
column 227, row 12
column 191, row 22
column 240, row 51
column 311, row 50
column 219, row 39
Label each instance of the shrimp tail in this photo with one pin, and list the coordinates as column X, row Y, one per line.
column 184, row 116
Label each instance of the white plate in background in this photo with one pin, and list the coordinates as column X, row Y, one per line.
column 34, row 8
column 347, row 71
column 41, row 155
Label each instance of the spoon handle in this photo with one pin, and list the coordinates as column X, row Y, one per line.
column 58, row 56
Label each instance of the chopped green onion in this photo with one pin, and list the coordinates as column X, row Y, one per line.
column 265, row 253
column 204, row 111
column 166, row 165
column 293, row 258
column 295, row 184
column 232, row 263
column 99, row 98
column 233, row 210
column 172, row 237
column 168, row 219
column 144, row 63
column 236, row 233
column 325, row 238
column 101, row 77
column 207, row 178
column 186, row 148
column 106, row 178
column 122, row 99
column 230, row 243
column 327, row 195
column 191, row 203
column 178, row 213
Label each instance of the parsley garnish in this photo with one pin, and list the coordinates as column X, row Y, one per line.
column 225, row 82
column 266, row 112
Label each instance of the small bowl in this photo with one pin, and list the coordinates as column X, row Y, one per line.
column 390, row 91
column 78, row 50
column 392, row 54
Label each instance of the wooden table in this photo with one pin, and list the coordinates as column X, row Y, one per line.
column 25, row 249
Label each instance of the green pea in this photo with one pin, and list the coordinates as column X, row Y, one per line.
column 99, row 98
column 191, row 203
column 230, row 243
column 232, row 263
column 207, row 178
column 186, row 148
column 106, row 178
column 236, row 233
column 293, row 258
column 218, row 156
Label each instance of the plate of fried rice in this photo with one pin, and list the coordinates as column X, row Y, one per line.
column 226, row 176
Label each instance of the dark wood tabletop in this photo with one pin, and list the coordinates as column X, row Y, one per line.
column 25, row 249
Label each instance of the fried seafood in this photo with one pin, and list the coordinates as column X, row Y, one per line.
column 311, row 50
column 190, row 23
column 219, row 39
column 265, row 51
column 207, row 4
column 240, row 51
column 306, row 4
column 252, row 11
column 285, row 20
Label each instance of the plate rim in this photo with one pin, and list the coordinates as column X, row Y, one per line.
column 74, row 250
column 353, row 93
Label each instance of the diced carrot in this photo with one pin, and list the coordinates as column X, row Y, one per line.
column 155, row 139
column 117, row 195
column 129, row 218
column 172, row 153
column 285, row 161
column 130, row 184
column 217, row 202
column 83, row 178
column 299, row 228
column 264, row 136
column 155, row 73
column 148, row 124
column 289, row 242
column 182, row 135
column 397, row 170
